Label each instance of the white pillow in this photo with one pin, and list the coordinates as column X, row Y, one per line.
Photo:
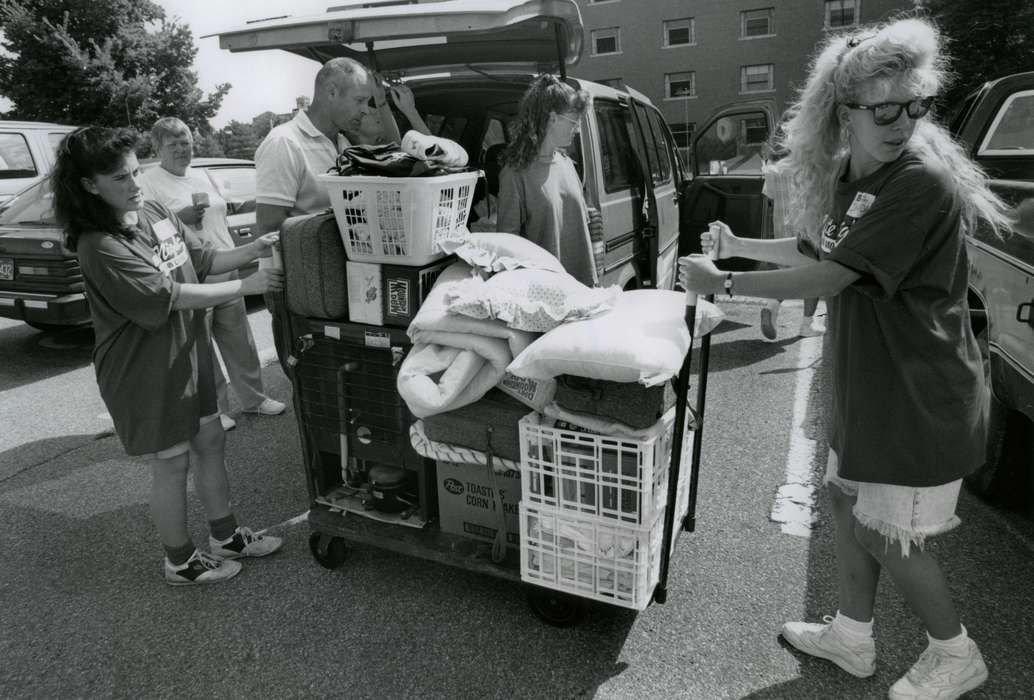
column 528, row 300
column 494, row 252
column 642, row 339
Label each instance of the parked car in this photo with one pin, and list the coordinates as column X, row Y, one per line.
column 27, row 153
column 996, row 124
column 469, row 63
column 40, row 280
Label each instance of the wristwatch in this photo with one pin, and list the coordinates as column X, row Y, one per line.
column 727, row 284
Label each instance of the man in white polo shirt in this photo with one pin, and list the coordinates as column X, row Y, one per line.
column 293, row 155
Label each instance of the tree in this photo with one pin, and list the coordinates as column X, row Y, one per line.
column 989, row 39
column 106, row 62
column 238, row 140
column 263, row 124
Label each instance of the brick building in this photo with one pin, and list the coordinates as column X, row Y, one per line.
column 691, row 56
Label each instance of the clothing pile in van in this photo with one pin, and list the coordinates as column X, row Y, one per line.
column 419, row 155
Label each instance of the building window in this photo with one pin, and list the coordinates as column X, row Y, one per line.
column 757, row 78
column 683, row 133
column 757, row 23
column 606, row 41
column 679, row 32
column 841, row 13
column 755, row 131
column 681, row 85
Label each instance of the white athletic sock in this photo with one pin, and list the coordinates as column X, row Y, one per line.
column 851, row 627
column 956, row 646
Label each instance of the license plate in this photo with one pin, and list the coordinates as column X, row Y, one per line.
column 6, row 268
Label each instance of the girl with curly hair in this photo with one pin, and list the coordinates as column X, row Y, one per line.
column 143, row 271
column 540, row 193
column 890, row 196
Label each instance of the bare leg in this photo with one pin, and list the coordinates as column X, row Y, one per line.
column 858, row 572
column 169, row 499
column 210, row 478
column 920, row 581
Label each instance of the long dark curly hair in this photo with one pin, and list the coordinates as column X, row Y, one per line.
column 546, row 94
column 84, row 153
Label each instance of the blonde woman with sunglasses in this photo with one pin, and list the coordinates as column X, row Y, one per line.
column 540, row 193
column 891, row 197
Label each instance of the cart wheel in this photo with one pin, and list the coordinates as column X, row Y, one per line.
column 555, row 608
column 329, row 551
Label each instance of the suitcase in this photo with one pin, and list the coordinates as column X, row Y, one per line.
column 314, row 266
column 630, row 403
column 488, row 425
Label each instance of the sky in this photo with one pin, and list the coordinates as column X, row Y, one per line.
column 262, row 80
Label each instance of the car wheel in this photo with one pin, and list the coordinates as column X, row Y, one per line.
column 1003, row 477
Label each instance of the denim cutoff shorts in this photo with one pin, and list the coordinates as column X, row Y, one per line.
column 903, row 514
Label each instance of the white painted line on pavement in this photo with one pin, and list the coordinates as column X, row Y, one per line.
column 267, row 356
column 290, row 522
column 795, row 499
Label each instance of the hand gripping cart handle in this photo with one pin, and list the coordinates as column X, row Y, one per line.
column 660, row 593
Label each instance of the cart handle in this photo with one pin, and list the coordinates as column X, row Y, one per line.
column 660, row 594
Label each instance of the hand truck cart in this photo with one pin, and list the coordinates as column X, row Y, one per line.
column 350, row 417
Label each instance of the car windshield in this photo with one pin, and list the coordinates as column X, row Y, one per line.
column 33, row 205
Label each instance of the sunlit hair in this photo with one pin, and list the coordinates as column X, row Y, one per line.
column 167, row 128
column 82, row 154
column 850, row 68
column 546, row 94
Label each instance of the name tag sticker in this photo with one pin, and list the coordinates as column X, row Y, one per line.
column 860, row 205
column 164, row 230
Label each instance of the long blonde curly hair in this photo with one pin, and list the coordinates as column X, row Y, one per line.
column 905, row 53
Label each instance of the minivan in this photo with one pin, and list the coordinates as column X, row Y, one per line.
column 468, row 62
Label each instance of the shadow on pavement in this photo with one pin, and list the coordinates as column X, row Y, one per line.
column 28, row 355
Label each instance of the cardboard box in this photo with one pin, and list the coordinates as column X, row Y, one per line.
column 365, row 304
column 468, row 503
column 403, row 290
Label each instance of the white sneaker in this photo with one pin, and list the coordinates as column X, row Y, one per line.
column 245, row 543
column 810, row 327
column 857, row 657
column 268, row 407
column 940, row 675
column 200, row 568
column 769, row 314
column 227, row 422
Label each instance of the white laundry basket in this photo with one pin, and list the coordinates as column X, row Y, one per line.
column 400, row 220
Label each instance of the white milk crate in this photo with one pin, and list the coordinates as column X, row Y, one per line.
column 400, row 220
column 591, row 557
column 624, row 479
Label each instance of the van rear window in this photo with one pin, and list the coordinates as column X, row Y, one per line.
column 15, row 157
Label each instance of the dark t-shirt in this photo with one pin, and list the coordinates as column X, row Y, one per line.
column 154, row 364
column 908, row 392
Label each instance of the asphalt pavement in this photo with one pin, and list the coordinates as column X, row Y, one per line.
column 84, row 611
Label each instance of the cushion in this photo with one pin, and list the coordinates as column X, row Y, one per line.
column 642, row 339
column 494, row 252
column 528, row 300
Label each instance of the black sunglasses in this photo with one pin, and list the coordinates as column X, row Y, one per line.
column 888, row 112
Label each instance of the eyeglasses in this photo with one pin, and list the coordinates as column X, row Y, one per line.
column 564, row 116
column 886, row 113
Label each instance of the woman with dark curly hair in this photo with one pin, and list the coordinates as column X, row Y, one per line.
column 540, row 193
column 143, row 269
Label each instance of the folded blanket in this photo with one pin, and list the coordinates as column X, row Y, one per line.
column 455, row 360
